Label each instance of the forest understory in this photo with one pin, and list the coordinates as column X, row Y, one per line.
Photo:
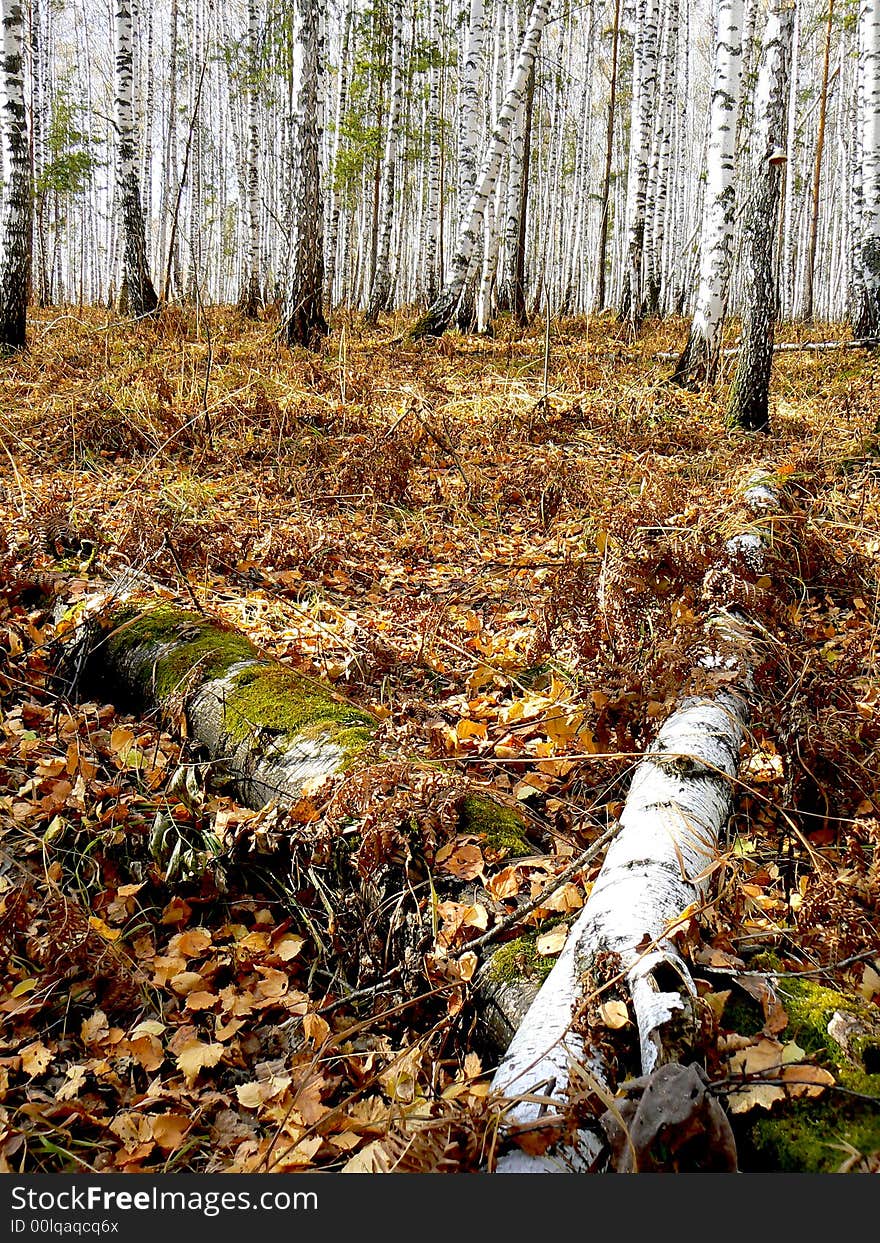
column 496, row 547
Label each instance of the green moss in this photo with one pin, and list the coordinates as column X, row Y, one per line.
column 743, row 1015
column 498, row 827
column 817, row 1136
column 265, row 697
column 190, row 642
column 810, row 1008
column 270, row 697
column 520, row 960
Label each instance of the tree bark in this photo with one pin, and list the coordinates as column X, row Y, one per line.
column 18, row 203
column 699, row 360
column 439, row 316
column 137, row 296
column 657, row 867
column 866, row 317
column 303, row 315
column 749, row 397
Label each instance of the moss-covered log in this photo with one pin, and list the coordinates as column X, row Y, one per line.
column 270, row 728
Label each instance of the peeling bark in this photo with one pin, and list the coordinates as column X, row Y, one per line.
column 658, row 866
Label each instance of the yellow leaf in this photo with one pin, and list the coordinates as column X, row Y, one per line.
column 288, row 946
column 169, row 1130
column 870, row 984
column 95, row 1029
column 186, row 982
column 108, row 933
column 315, row 1028
column 198, row 1056
column 200, row 1000
column 35, row 1057
column 190, row 943
column 614, row 1014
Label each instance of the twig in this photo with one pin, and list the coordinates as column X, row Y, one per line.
column 166, row 543
column 518, row 915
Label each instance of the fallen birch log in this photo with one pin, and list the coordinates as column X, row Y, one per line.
column 791, row 347
column 657, row 869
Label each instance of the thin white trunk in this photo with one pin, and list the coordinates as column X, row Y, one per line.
column 700, row 358
column 438, row 317
column 866, row 320
column 17, row 201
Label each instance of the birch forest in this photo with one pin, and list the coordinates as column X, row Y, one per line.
column 439, row 588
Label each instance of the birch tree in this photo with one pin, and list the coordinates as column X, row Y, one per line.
column 866, row 309
column 817, row 168
column 644, row 80
column 699, row 359
column 749, row 397
column 137, row 296
column 381, row 289
column 303, row 317
column 251, row 292
column 15, row 264
column 439, row 315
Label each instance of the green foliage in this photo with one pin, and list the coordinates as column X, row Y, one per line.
column 71, row 150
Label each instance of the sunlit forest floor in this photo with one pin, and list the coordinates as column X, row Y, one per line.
column 422, row 526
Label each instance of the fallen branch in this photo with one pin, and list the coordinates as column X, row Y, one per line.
column 863, row 343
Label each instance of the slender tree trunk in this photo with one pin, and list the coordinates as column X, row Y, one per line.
column 749, row 398
column 817, row 171
column 15, row 266
column 599, row 303
column 381, row 288
column 518, row 301
column 866, row 318
column 644, row 80
column 303, row 315
column 431, row 276
column 335, row 197
column 251, row 293
column 439, row 316
column 137, row 296
column 699, row 360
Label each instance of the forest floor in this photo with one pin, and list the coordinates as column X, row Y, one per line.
column 422, row 526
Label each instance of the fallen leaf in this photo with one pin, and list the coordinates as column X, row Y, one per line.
column 35, row 1057
column 614, row 1014
column 197, row 1056
column 169, row 1130
column 552, row 941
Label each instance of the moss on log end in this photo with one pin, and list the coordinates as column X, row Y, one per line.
column 507, row 985
column 842, row 1032
column 499, row 828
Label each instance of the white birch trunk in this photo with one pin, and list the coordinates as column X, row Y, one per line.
column 657, row 867
column 749, row 399
column 866, row 319
column 381, row 290
column 699, row 360
column 137, row 296
column 15, row 263
column 251, row 292
column 303, row 315
column 439, row 316
column 641, row 128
